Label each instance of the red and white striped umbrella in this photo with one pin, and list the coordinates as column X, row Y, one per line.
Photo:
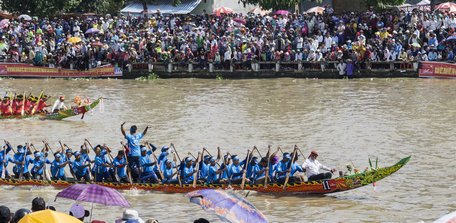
column 447, row 6
column 222, row 10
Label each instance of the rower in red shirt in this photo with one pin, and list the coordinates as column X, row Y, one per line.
column 17, row 104
column 42, row 104
column 5, row 106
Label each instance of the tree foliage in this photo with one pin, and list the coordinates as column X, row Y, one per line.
column 55, row 7
column 384, row 3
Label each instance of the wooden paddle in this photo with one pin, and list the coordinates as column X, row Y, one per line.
column 156, row 161
column 23, row 105
column 112, row 161
column 218, row 155
column 37, row 102
column 178, row 166
column 126, row 161
column 289, row 168
column 195, row 174
column 266, row 173
column 21, row 173
column 244, row 171
column 67, row 160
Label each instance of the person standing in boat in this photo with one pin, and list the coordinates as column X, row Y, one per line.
column 22, row 161
column 313, row 167
column 134, row 141
column 119, row 164
column 147, row 167
column 80, row 167
column 59, row 104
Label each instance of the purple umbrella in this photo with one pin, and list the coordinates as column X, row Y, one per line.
column 227, row 206
column 281, row 12
column 92, row 30
column 451, row 38
column 95, row 194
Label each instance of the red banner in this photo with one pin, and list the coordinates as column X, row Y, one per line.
column 28, row 70
column 437, row 69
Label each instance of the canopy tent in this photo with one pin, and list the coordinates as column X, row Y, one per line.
column 164, row 6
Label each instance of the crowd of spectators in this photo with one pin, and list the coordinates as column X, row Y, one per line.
column 359, row 37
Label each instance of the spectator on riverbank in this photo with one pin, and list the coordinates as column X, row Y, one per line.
column 38, row 204
column 5, row 214
column 83, row 43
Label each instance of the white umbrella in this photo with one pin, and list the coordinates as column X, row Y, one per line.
column 25, row 17
column 318, row 10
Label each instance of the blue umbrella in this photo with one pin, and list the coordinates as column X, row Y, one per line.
column 227, row 206
column 451, row 38
column 92, row 30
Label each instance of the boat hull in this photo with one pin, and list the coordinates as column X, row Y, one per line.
column 315, row 187
column 437, row 70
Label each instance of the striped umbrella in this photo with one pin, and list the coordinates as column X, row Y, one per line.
column 227, row 206
column 94, row 193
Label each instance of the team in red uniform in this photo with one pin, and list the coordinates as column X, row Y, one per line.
column 18, row 105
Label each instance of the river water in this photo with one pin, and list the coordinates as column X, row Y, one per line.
column 344, row 120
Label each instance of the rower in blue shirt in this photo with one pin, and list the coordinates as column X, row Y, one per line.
column 282, row 168
column 169, row 173
column 188, row 171
column 224, row 173
column 204, row 167
column 147, row 167
column 162, row 158
column 236, row 171
column 80, row 167
column 259, row 171
column 39, row 163
column 253, row 163
column 119, row 164
column 58, row 168
column 85, row 154
column 214, row 173
column 22, row 161
column 4, row 160
column 101, row 164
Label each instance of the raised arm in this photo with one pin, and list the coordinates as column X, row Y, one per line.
column 145, row 131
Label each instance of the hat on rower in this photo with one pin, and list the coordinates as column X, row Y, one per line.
column 69, row 151
column 143, row 149
column 77, row 153
column 20, row 149
column 164, row 148
column 38, row 155
column 57, row 155
column 286, row 156
column 313, row 152
column 255, row 160
column 212, row 159
column 207, row 157
column 62, row 97
column 168, row 161
column 235, row 158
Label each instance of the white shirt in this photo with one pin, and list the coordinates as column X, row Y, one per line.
column 58, row 105
column 313, row 167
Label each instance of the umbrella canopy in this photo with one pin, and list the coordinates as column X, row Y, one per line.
column 25, row 17
column 74, row 39
column 95, row 194
column 259, row 11
column 239, row 20
column 449, row 218
column 222, row 10
column 318, row 10
column 48, row 216
column 424, row 2
column 227, row 206
column 447, row 6
column 281, row 12
column 92, row 30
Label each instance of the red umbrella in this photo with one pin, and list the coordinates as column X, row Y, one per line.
column 222, row 10
column 447, row 6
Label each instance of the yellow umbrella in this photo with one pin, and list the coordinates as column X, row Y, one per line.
column 74, row 39
column 48, row 216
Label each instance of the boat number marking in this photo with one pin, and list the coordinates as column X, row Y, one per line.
column 326, row 185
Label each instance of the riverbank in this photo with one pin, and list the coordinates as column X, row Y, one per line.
column 320, row 70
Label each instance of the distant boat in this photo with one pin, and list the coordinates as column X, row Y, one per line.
column 29, row 70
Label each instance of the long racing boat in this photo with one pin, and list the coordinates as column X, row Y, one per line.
column 339, row 184
column 74, row 111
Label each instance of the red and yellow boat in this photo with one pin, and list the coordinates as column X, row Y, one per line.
column 339, row 184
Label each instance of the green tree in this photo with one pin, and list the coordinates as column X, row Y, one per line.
column 384, row 3
column 275, row 4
